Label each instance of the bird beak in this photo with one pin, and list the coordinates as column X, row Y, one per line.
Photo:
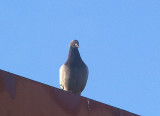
column 77, row 45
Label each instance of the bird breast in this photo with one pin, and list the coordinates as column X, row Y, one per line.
column 73, row 78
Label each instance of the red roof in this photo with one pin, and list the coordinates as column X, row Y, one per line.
column 20, row 96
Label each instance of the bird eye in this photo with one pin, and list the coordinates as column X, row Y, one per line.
column 72, row 42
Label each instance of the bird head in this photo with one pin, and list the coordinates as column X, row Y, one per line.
column 74, row 44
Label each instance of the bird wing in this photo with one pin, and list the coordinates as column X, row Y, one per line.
column 63, row 73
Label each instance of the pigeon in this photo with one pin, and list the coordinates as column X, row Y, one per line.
column 74, row 73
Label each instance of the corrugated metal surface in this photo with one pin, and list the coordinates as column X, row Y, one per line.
column 20, row 96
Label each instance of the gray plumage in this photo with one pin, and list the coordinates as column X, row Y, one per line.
column 74, row 73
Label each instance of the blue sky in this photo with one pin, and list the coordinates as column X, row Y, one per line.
column 119, row 41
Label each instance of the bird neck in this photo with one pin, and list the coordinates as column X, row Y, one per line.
column 73, row 55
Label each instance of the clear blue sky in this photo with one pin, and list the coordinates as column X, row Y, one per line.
column 119, row 41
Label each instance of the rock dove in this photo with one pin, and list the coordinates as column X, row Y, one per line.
column 74, row 73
